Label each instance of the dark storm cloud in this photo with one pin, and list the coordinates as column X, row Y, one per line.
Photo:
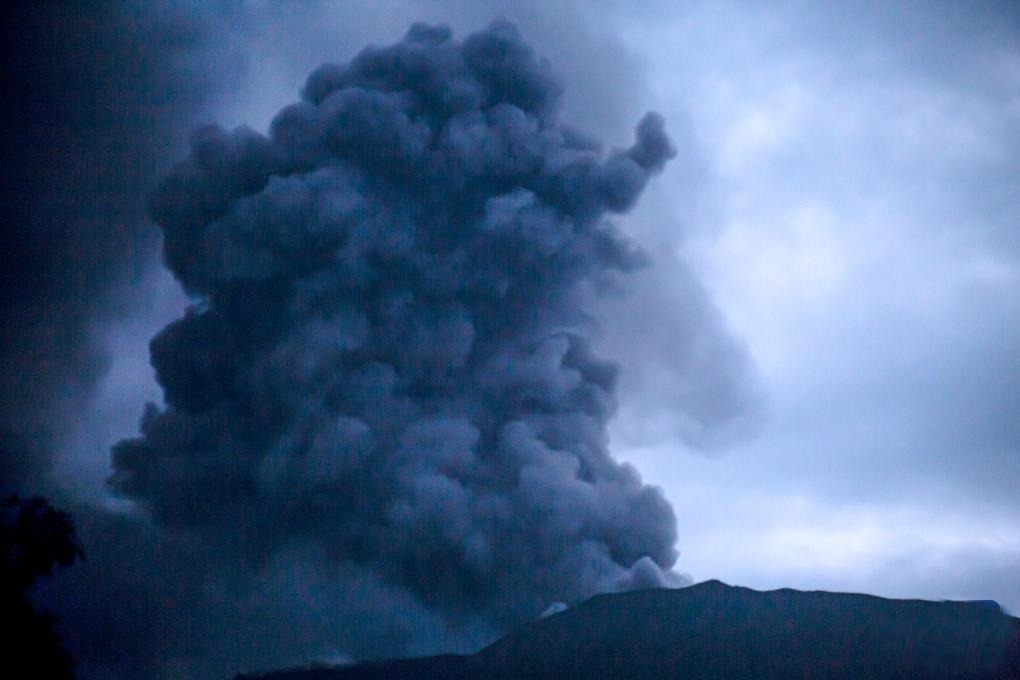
column 389, row 360
column 91, row 94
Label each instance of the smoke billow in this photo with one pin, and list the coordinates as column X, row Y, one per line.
column 92, row 96
column 388, row 358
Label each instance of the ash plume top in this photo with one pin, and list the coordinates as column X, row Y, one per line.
column 388, row 357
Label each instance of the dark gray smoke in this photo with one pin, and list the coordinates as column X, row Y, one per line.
column 389, row 360
column 92, row 94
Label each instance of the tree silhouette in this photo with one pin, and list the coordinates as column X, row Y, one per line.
column 35, row 538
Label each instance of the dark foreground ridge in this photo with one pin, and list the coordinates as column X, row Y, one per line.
column 712, row 630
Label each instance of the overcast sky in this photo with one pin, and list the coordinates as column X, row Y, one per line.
column 860, row 235
column 841, row 230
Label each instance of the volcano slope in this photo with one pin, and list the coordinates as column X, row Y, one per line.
column 714, row 631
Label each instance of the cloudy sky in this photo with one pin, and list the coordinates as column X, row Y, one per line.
column 857, row 230
column 820, row 366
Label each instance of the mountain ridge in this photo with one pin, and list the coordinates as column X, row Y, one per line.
column 713, row 630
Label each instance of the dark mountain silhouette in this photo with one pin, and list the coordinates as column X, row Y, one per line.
column 714, row 631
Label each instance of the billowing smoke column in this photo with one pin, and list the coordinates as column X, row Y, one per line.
column 388, row 359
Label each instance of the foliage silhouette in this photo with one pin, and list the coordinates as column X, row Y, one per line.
column 35, row 538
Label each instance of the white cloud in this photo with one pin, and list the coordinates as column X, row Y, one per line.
column 861, row 240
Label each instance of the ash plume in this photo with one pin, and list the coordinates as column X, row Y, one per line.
column 389, row 358
column 93, row 97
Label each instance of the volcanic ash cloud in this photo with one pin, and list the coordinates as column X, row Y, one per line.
column 388, row 355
